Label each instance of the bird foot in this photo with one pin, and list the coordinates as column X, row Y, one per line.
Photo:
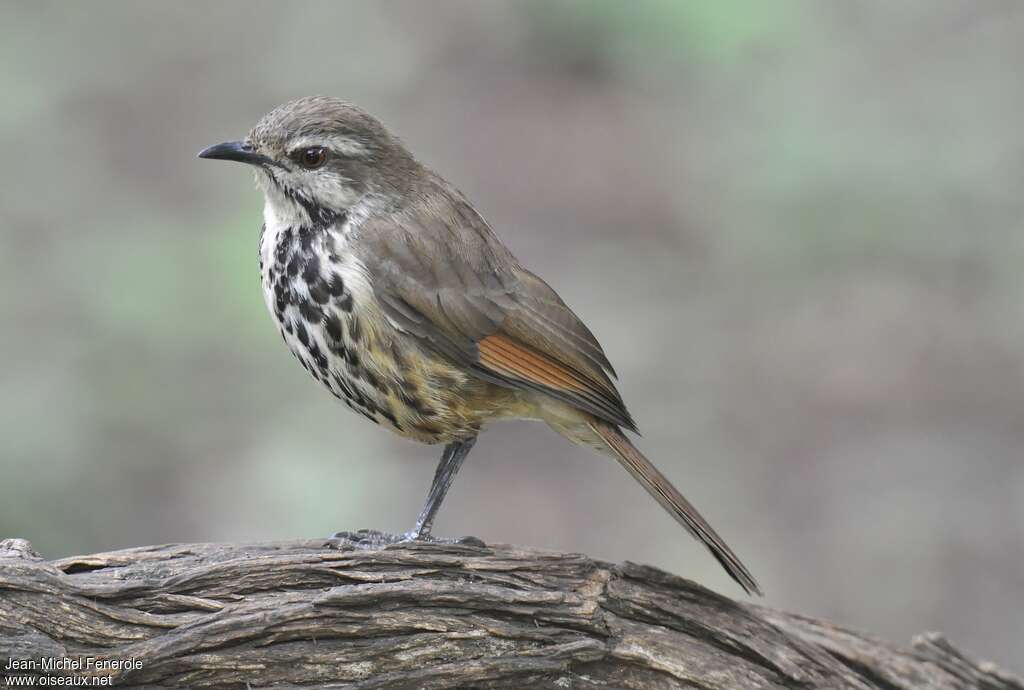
column 368, row 538
column 375, row 539
column 428, row 538
column 463, row 541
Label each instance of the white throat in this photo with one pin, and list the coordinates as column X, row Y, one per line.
column 290, row 194
column 279, row 209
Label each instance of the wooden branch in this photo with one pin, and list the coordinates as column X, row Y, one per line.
column 359, row 613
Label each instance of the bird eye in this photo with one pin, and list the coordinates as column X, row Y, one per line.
column 312, row 158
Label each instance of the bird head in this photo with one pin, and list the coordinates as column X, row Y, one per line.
column 316, row 157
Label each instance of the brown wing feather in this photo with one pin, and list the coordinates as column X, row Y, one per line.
column 542, row 319
column 441, row 275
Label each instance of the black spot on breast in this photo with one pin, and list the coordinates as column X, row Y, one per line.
column 390, row 417
column 281, row 296
column 372, row 379
column 310, row 312
column 311, row 271
column 332, row 324
column 355, row 371
column 302, row 334
column 337, row 285
column 293, row 266
column 318, row 358
column 338, row 348
column 412, row 402
column 318, row 291
column 343, row 385
column 358, row 398
column 344, row 302
column 283, row 243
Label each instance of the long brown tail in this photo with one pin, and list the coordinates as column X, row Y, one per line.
column 671, row 500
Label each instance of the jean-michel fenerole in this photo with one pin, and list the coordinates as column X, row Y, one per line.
column 71, row 663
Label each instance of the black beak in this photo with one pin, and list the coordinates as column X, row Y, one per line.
column 240, row 151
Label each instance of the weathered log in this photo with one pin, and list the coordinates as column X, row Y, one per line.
column 358, row 612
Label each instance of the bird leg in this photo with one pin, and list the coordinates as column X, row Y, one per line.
column 451, row 461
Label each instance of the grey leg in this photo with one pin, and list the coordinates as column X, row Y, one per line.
column 451, row 461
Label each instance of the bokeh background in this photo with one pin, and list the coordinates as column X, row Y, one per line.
column 796, row 227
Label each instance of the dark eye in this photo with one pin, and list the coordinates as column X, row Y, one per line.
column 312, row 158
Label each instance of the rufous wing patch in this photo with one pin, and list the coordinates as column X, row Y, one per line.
column 509, row 359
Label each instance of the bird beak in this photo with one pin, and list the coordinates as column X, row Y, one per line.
column 241, row 151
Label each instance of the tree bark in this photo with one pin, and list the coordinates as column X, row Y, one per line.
column 359, row 612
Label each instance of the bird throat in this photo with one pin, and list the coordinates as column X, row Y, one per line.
column 293, row 207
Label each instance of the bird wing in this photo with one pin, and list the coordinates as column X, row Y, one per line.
column 441, row 275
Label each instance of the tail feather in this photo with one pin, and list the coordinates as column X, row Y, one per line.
column 671, row 500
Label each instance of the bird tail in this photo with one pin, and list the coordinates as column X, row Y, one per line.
column 658, row 486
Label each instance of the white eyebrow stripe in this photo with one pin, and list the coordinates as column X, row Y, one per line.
column 346, row 146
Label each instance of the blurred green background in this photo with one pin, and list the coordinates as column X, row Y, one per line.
column 795, row 226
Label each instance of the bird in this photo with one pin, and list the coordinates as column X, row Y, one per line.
column 396, row 295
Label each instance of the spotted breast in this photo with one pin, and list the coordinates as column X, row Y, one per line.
column 321, row 300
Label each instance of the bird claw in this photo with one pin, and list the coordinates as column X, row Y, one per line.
column 413, row 536
column 367, row 538
column 375, row 539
